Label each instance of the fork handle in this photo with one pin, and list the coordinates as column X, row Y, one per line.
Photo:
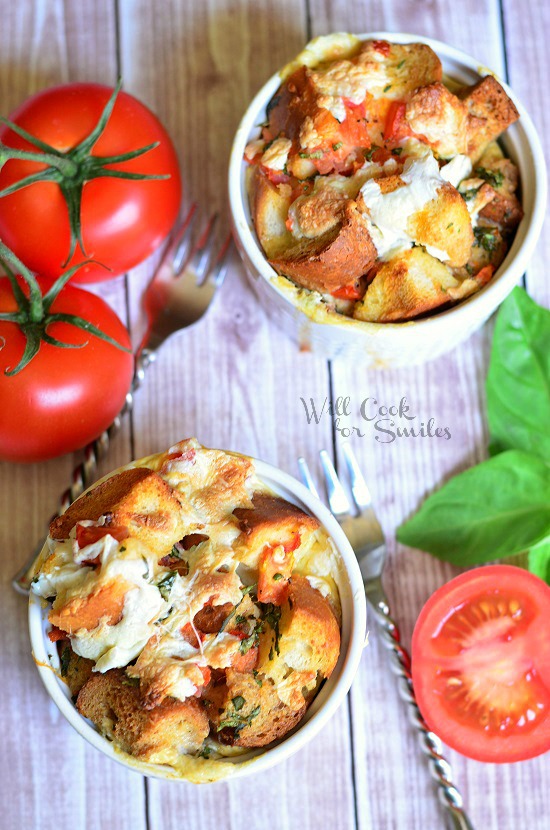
column 85, row 473
column 429, row 742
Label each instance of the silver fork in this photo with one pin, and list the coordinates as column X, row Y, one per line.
column 367, row 539
column 181, row 290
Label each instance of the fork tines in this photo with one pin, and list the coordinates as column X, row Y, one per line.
column 338, row 501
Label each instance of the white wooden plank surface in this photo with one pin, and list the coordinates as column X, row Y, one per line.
column 234, row 382
column 400, row 473
column 49, row 778
column 527, row 27
column 231, row 380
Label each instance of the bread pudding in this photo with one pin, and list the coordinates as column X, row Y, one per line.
column 196, row 614
column 377, row 186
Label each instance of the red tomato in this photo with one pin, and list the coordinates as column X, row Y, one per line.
column 275, row 570
column 63, row 398
column 396, row 126
column 123, row 221
column 481, row 664
column 88, row 535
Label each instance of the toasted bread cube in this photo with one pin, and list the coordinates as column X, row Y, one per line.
column 245, row 710
column 411, row 283
column 444, row 224
column 396, row 70
column 490, row 112
column 309, row 635
column 269, row 208
column 138, row 499
column 113, row 702
column 271, row 521
column 75, row 670
column 333, row 260
column 434, row 112
column 504, row 209
column 105, row 603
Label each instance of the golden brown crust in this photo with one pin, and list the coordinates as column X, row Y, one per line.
column 445, row 224
column 309, row 634
column 410, row 284
column 261, row 717
column 333, row 260
column 269, row 209
column 272, row 521
column 490, row 112
column 106, row 604
column 438, row 115
column 138, row 499
column 113, row 702
column 75, row 670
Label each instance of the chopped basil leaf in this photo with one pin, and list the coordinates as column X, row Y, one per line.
column 165, row 584
column 272, row 615
column 401, row 64
column 337, row 146
column 485, row 237
column 494, row 177
column 65, row 660
column 277, row 577
column 258, row 680
column 387, row 87
column 238, row 702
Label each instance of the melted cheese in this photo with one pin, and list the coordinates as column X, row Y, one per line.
column 389, row 213
column 154, row 633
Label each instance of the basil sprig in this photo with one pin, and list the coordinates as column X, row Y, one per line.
column 501, row 507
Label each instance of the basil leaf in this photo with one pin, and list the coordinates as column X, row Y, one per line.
column 518, row 383
column 498, row 508
column 538, row 560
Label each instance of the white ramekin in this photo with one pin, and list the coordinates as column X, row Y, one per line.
column 394, row 344
column 352, row 596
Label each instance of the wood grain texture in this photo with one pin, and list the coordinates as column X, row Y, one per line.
column 50, row 778
column 230, row 380
column 235, row 382
column 526, row 29
column 400, row 473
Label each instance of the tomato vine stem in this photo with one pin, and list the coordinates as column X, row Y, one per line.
column 33, row 315
column 72, row 169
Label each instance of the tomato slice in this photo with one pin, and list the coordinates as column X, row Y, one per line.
column 481, row 664
column 88, row 535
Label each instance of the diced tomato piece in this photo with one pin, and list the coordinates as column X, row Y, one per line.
column 293, row 543
column 484, row 275
column 274, row 571
column 188, row 455
column 276, row 176
column 381, row 155
column 347, row 292
column 56, row 634
column 89, row 535
column 246, row 662
column 382, row 46
column 396, row 126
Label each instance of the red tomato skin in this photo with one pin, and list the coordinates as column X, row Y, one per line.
column 63, row 398
column 123, row 221
column 505, row 578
